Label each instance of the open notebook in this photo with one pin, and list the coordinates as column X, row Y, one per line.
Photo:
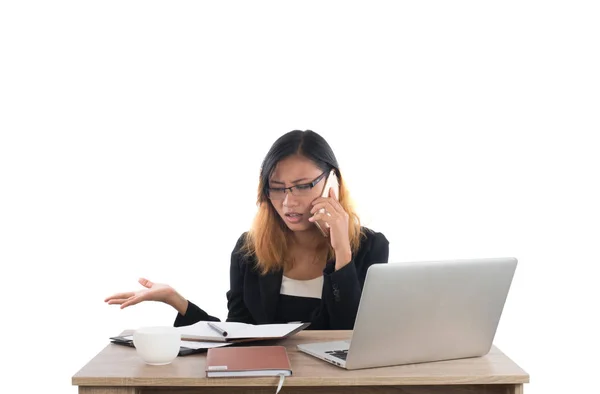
column 238, row 332
column 186, row 348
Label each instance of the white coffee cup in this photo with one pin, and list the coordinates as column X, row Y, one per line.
column 158, row 345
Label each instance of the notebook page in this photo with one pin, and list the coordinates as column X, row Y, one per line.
column 201, row 329
column 269, row 330
column 193, row 344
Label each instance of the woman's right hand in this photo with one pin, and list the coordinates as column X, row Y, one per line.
column 152, row 292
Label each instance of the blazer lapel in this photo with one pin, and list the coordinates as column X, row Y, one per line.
column 270, row 287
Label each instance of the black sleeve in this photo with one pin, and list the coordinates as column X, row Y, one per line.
column 193, row 314
column 342, row 288
column 238, row 312
column 235, row 302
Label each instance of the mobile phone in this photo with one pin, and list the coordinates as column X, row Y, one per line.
column 332, row 182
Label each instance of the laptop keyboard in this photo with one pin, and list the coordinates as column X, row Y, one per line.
column 341, row 354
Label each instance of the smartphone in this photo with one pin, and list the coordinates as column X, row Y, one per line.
column 332, row 182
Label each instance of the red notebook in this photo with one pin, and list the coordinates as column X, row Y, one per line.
column 248, row 361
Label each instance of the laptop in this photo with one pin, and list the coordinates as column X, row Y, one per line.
column 427, row 311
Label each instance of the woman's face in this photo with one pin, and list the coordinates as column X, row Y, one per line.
column 294, row 207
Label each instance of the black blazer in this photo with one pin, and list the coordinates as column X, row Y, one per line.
column 253, row 297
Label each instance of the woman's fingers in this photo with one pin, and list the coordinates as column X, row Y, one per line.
column 146, row 283
column 132, row 301
column 117, row 301
column 323, row 205
column 330, row 215
column 119, row 296
column 335, row 206
column 321, row 216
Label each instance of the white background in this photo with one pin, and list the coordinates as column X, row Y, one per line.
column 132, row 134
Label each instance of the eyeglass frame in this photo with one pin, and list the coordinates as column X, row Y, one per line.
column 283, row 189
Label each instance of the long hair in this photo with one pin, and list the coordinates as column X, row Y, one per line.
column 268, row 237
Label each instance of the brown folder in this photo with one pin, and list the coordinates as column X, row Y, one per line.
column 248, row 361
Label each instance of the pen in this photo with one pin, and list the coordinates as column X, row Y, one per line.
column 217, row 329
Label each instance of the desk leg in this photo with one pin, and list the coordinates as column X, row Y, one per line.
column 109, row 390
column 516, row 389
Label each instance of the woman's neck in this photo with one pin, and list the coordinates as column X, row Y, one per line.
column 307, row 255
column 307, row 240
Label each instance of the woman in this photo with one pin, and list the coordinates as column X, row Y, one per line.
column 283, row 269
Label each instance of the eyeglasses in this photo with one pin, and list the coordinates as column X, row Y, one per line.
column 278, row 193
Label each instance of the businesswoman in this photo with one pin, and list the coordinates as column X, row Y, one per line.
column 285, row 269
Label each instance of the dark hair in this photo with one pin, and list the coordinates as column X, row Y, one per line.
column 297, row 142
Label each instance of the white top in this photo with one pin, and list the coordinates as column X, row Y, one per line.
column 311, row 288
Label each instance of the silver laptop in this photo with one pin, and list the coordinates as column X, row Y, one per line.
column 423, row 311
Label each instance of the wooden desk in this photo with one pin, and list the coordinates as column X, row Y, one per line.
column 118, row 370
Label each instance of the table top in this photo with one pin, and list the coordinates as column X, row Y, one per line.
column 118, row 365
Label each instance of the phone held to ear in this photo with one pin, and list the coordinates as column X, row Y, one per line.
column 332, row 182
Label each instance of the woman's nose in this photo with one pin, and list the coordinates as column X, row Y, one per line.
column 289, row 200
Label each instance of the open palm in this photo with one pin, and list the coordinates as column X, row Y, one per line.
column 151, row 292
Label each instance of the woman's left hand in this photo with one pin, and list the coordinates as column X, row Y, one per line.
column 337, row 219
